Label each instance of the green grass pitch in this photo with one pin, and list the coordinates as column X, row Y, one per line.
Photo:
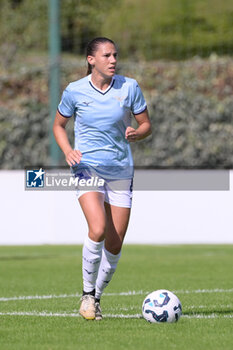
column 40, row 289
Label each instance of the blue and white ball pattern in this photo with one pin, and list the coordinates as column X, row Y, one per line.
column 161, row 306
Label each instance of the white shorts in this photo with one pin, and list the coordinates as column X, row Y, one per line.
column 116, row 192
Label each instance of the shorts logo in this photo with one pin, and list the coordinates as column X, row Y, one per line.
column 35, row 178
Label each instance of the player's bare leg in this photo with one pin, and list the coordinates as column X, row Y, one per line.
column 116, row 226
column 92, row 204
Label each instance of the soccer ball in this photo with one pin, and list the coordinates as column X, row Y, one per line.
column 161, row 306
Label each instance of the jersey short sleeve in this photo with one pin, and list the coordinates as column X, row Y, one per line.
column 66, row 106
column 138, row 102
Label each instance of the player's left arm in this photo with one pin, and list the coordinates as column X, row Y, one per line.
column 143, row 130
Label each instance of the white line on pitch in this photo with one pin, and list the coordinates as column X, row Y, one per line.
column 208, row 316
column 129, row 293
column 50, row 314
column 34, row 297
column 56, row 314
column 200, row 291
column 188, row 307
column 53, row 296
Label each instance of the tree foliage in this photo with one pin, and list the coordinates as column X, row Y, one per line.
column 172, row 28
column 142, row 28
column 24, row 23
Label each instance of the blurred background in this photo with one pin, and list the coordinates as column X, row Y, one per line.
column 180, row 52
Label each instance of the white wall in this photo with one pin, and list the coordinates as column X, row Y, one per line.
column 158, row 217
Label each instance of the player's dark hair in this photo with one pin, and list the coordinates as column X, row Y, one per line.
column 92, row 47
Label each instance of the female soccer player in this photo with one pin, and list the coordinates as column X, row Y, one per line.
column 102, row 103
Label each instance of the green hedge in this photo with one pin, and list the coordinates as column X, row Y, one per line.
column 190, row 105
column 189, row 131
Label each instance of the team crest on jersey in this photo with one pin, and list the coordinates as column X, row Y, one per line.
column 120, row 99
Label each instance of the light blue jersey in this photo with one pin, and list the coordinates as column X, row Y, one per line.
column 101, row 118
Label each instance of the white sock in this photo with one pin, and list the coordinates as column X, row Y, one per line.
column 92, row 252
column 106, row 270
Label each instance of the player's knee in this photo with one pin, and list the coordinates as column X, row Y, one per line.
column 96, row 233
column 114, row 247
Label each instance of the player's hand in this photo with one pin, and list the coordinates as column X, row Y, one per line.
column 73, row 157
column 131, row 134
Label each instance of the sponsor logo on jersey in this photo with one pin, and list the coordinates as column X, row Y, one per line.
column 87, row 103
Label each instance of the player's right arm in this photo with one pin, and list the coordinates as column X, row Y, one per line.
column 60, row 134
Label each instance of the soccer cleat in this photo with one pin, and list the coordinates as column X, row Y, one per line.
column 98, row 312
column 87, row 308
